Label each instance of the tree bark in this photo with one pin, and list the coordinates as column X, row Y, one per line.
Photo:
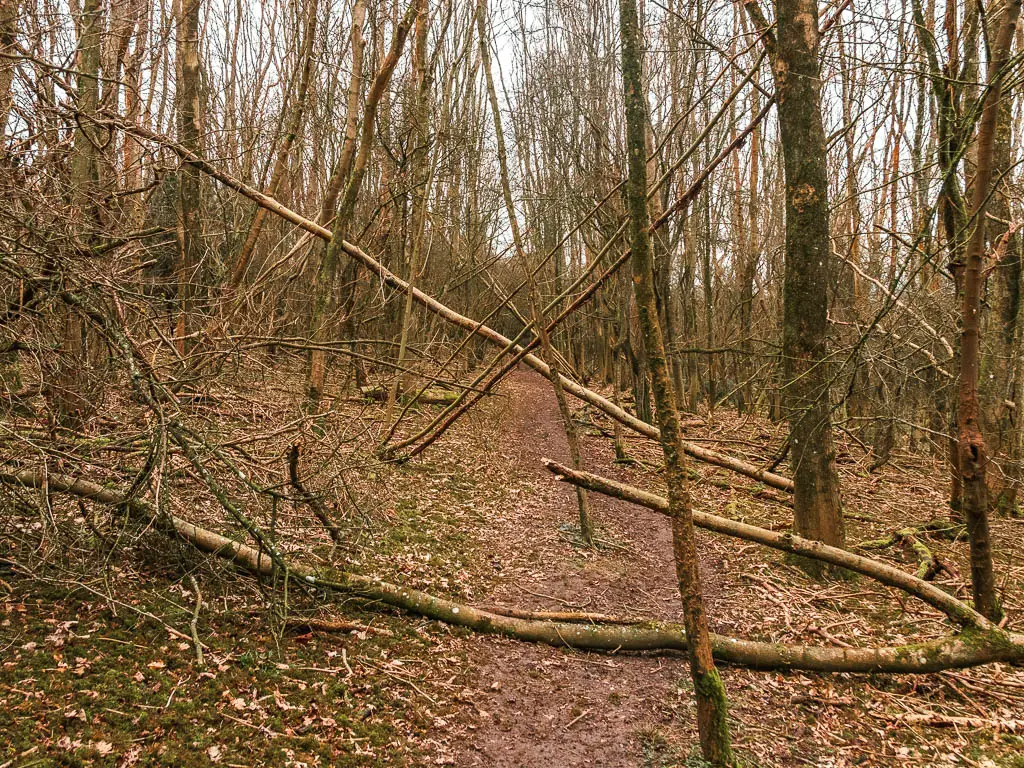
column 9, row 10
column 539, row 322
column 973, row 452
column 972, row 647
column 188, row 204
column 68, row 389
column 1001, row 388
column 712, row 706
column 817, row 512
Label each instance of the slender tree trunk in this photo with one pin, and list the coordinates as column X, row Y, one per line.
column 69, row 388
column 708, row 284
column 8, row 37
column 712, row 708
column 350, row 173
column 325, row 278
column 420, row 174
column 688, row 293
column 188, row 115
column 131, row 154
column 973, row 452
column 292, row 127
column 950, row 135
column 10, row 373
column 538, row 319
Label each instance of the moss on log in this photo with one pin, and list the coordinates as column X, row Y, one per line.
column 972, row 647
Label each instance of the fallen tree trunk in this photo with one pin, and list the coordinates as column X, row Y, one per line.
column 426, row 397
column 447, row 313
column 973, row 647
column 787, row 542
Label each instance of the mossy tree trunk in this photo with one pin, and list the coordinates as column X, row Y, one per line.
column 712, row 708
column 817, row 512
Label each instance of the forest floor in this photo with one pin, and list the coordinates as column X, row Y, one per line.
column 99, row 668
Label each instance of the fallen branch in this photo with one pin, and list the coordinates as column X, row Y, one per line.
column 928, row 564
column 426, row 397
column 787, row 542
column 322, row 625
column 308, row 498
column 973, row 647
column 445, row 312
column 584, row 618
column 194, row 624
column 936, row 720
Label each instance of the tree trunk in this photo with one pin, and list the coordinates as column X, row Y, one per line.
column 817, row 512
column 1001, row 387
column 8, row 37
column 538, row 319
column 188, row 203
column 291, row 131
column 69, row 396
column 349, row 175
column 712, row 708
column 420, row 175
column 973, row 453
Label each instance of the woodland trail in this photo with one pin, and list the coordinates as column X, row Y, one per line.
column 541, row 706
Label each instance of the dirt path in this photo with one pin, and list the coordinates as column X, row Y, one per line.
column 539, row 706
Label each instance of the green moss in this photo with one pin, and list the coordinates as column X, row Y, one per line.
column 139, row 688
column 708, row 686
column 1016, row 758
column 657, row 751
